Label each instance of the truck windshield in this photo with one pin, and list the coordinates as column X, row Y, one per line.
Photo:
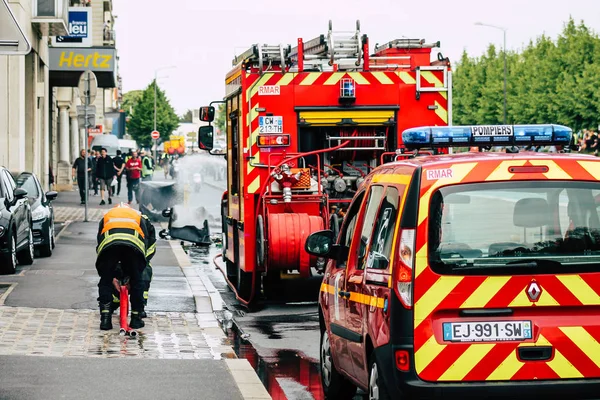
column 515, row 228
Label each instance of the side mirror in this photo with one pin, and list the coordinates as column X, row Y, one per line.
column 205, row 137
column 51, row 195
column 320, row 243
column 20, row 193
column 207, row 114
column 166, row 213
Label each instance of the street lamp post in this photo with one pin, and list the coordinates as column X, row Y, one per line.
column 155, row 94
column 505, row 68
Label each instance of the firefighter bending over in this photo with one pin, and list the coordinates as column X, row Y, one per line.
column 127, row 237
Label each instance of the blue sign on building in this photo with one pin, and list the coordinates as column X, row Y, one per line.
column 79, row 27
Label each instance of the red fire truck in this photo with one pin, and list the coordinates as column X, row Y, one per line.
column 305, row 125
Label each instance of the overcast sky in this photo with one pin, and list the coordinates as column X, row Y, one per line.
column 201, row 37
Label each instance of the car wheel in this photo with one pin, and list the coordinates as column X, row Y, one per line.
column 335, row 386
column 46, row 249
column 26, row 255
column 377, row 389
column 9, row 261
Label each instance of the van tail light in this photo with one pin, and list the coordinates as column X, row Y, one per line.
column 404, row 267
column 402, row 360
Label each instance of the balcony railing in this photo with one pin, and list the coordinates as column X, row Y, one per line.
column 51, row 16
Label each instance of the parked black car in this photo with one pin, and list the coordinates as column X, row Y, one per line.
column 42, row 212
column 16, row 233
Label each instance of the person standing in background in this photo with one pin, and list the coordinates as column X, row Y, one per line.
column 134, row 173
column 119, row 164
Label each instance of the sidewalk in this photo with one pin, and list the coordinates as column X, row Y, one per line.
column 50, row 310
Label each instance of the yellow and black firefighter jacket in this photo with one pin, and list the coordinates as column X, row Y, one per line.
column 125, row 226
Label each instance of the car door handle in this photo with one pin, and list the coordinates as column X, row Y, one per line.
column 344, row 294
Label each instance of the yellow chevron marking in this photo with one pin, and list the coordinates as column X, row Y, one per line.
column 507, row 368
column 580, row 289
column 554, row 171
column 444, row 95
column 261, row 81
column 586, row 342
column 559, row 363
column 431, row 78
column 286, row 79
column 406, row 78
column 382, row 78
column 421, row 260
column 501, row 173
column 359, row 78
column 253, row 113
column 441, row 289
column 334, row 78
column 441, row 112
column 522, row 300
column 466, row 362
column 427, row 353
column 459, row 171
column 311, row 77
column 253, row 187
column 484, row 293
column 255, row 159
column 593, row 167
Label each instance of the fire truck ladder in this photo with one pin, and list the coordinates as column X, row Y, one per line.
column 343, row 49
column 260, row 55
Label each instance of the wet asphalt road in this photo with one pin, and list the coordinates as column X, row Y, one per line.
column 279, row 338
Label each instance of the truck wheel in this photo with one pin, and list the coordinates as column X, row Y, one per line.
column 377, row 389
column 335, row 386
column 244, row 283
column 272, row 287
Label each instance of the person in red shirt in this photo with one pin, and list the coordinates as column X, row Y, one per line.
column 134, row 173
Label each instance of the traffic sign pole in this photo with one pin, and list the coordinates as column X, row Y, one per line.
column 155, row 135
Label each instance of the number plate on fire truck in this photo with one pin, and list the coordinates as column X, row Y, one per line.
column 497, row 331
column 270, row 124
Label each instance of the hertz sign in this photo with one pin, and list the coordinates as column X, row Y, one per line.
column 67, row 64
column 80, row 59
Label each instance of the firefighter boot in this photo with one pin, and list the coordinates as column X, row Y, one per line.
column 136, row 320
column 105, row 317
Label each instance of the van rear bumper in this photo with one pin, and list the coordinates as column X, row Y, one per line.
column 408, row 385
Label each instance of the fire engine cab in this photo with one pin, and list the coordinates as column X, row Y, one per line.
column 472, row 275
column 305, row 126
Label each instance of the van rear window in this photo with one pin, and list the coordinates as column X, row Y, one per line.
column 515, row 228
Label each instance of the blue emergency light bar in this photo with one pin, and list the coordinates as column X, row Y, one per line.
column 487, row 135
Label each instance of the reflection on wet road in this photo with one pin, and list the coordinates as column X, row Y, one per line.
column 280, row 338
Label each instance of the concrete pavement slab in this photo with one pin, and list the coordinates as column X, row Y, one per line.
column 85, row 379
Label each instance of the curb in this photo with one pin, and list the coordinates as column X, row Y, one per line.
column 246, row 380
column 208, row 301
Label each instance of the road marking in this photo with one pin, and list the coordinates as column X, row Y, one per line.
column 8, row 291
column 65, row 226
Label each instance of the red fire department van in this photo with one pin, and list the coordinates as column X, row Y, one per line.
column 470, row 275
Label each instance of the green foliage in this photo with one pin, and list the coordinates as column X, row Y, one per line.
column 142, row 121
column 130, row 99
column 548, row 82
column 220, row 120
column 187, row 117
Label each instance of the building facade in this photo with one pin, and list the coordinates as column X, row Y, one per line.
column 39, row 129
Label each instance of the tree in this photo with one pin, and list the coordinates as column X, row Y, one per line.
column 220, row 120
column 187, row 117
column 130, row 99
column 548, row 82
column 142, row 121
